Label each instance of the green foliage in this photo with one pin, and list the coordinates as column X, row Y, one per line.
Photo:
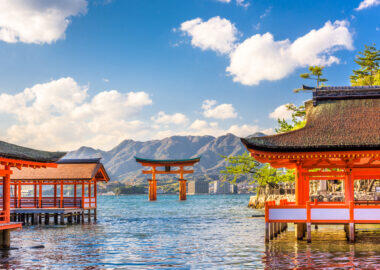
column 315, row 74
column 241, row 165
column 368, row 73
column 298, row 119
column 258, row 174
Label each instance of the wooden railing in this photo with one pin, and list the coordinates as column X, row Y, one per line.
column 51, row 202
column 322, row 212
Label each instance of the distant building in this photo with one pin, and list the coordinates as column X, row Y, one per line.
column 222, row 187
column 197, row 187
column 233, row 189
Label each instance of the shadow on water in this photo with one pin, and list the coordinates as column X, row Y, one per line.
column 202, row 233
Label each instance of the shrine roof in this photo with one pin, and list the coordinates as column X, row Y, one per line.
column 12, row 151
column 337, row 119
column 66, row 170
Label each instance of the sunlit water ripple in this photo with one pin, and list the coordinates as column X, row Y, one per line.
column 202, row 232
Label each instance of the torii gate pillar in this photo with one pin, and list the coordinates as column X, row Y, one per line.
column 182, row 189
column 152, row 190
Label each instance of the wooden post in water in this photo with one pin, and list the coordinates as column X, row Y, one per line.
column 152, row 189
column 299, row 230
column 308, row 221
column 352, row 224
column 267, row 225
column 182, row 189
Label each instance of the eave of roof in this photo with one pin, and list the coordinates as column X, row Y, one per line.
column 12, row 151
column 167, row 161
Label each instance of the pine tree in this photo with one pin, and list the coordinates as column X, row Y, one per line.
column 369, row 72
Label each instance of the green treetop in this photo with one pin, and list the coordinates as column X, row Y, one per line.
column 315, row 74
column 369, row 72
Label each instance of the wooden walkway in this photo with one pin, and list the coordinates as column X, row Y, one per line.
column 35, row 216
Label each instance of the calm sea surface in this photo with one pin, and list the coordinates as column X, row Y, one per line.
column 203, row 232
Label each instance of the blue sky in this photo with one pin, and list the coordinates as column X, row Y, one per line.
column 94, row 73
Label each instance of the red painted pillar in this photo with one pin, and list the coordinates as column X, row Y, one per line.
column 35, row 195
column 82, row 194
column 299, row 185
column 15, row 194
column 75, row 194
column 61, row 202
column 95, row 194
column 89, row 193
column 348, row 187
column 19, row 194
column 55, row 195
column 40, row 195
column 7, row 195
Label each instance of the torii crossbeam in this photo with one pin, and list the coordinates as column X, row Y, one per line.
column 168, row 165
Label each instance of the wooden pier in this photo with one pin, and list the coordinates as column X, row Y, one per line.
column 56, row 216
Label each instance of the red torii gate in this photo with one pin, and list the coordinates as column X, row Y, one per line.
column 168, row 164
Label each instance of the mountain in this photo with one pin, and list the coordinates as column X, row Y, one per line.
column 121, row 165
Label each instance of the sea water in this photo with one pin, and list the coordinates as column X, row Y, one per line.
column 203, row 232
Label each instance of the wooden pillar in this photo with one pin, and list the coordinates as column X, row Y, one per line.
column 19, row 194
column 40, row 195
column 95, row 217
column 56, row 219
column 89, row 216
column 352, row 223
column 55, row 195
column 271, row 230
column 308, row 221
column 299, row 230
column 152, row 190
column 15, row 194
column 82, row 216
column 75, row 194
column 95, row 196
column 89, row 193
column 5, row 239
column 35, row 195
column 182, row 189
column 61, row 201
column 267, row 224
column 47, row 218
column 7, row 196
column 299, row 185
column 82, row 194
column 62, row 218
column 348, row 187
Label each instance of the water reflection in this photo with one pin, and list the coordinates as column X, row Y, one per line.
column 328, row 250
column 203, row 232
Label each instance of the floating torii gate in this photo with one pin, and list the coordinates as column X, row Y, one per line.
column 167, row 164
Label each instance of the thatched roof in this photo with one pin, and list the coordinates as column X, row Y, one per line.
column 66, row 170
column 346, row 119
column 8, row 150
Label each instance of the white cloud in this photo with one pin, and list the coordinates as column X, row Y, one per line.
column 281, row 112
column 367, row 4
column 37, row 21
column 105, row 80
column 266, row 13
column 242, row 3
column 215, row 34
column 260, row 57
column 60, row 115
column 222, row 111
column 163, row 118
